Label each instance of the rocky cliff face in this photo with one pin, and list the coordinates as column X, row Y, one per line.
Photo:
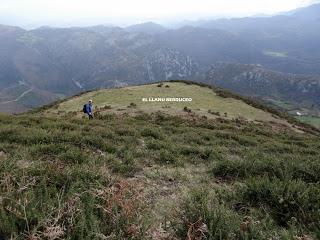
column 169, row 64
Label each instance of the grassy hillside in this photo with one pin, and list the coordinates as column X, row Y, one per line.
column 205, row 102
column 314, row 121
column 156, row 175
column 20, row 98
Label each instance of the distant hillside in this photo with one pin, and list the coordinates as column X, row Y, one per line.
column 208, row 46
column 254, row 80
column 66, row 61
column 148, row 28
column 288, row 41
column 57, row 62
column 287, row 91
column 310, row 12
column 154, row 170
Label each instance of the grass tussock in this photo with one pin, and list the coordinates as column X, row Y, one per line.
column 71, row 178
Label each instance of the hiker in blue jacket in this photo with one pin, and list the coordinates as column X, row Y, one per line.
column 88, row 109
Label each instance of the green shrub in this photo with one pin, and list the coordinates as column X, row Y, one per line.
column 67, row 167
column 186, row 109
column 155, row 144
column 285, row 200
column 48, row 150
column 155, row 133
column 128, row 131
column 220, row 221
column 214, row 113
column 74, row 156
column 95, row 141
column 270, row 166
column 241, row 168
column 167, row 157
column 132, row 105
column 195, row 152
column 124, row 164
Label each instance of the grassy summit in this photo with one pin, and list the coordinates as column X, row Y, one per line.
column 205, row 102
column 151, row 175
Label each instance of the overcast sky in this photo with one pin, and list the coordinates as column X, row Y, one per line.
column 29, row 13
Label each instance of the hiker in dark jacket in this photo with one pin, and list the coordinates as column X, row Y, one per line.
column 88, row 109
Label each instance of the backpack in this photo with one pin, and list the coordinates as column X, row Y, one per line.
column 84, row 109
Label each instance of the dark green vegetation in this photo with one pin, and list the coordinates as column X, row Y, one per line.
column 155, row 176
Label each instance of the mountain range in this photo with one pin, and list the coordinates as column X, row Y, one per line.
column 44, row 64
column 256, row 81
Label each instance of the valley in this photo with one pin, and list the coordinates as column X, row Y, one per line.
column 292, row 93
column 61, row 62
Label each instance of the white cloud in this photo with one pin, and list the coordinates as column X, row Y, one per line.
column 138, row 10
